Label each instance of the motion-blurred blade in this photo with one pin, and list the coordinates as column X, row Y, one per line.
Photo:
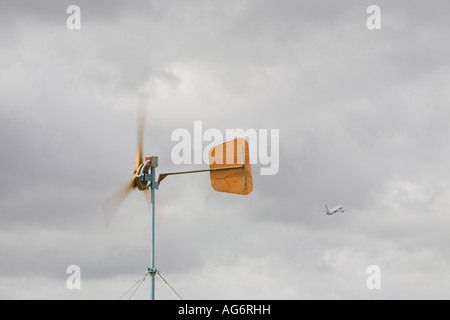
column 113, row 203
column 142, row 113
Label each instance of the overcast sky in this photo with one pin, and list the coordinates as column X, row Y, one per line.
column 362, row 117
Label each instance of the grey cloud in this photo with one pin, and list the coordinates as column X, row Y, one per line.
column 362, row 122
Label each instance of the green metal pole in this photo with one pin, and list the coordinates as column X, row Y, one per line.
column 152, row 226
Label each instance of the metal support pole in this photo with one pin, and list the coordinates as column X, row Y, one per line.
column 144, row 176
column 152, row 269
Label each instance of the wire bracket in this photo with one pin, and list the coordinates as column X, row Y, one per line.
column 152, row 271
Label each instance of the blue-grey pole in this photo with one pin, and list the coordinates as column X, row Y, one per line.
column 152, row 227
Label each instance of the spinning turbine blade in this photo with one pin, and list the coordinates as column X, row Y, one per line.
column 142, row 113
column 113, row 203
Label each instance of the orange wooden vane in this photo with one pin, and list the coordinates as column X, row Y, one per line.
column 233, row 153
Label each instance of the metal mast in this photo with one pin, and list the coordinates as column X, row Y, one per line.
column 151, row 163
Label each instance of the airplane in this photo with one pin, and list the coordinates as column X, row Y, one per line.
column 338, row 208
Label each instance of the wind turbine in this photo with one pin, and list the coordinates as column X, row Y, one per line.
column 229, row 169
